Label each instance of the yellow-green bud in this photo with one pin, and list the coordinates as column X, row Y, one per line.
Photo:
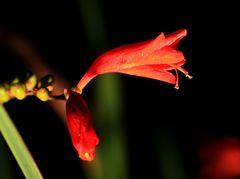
column 4, row 97
column 43, row 94
column 15, row 80
column 18, row 90
column 50, row 79
column 46, row 81
column 31, row 82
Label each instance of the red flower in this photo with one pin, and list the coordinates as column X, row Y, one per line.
column 80, row 126
column 151, row 59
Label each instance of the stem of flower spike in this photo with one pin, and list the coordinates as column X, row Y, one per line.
column 17, row 146
column 42, row 89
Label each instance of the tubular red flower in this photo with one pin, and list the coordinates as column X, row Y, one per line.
column 150, row 59
column 80, row 126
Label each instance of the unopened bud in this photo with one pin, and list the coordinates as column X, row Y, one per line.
column 31, row 82
column 4, row 97
column 46, row 81
column 18, row 90
column 43, row 94
column 15, row 80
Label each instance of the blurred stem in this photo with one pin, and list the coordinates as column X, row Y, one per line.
column 172, row 165
column 93, row 24
column 108, row 108
column 17, row 146
column 110, row 113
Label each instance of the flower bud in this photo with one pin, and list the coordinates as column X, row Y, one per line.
column 46, row 81
column 18, row 90
column 4, row 96
column 43, row 94
column 31, row 82
column 80, row 125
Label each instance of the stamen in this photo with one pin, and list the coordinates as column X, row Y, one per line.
column 182, row 70
column 189, row 76
column 176, row 85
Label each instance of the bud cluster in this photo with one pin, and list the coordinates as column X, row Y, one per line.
column 28, row 86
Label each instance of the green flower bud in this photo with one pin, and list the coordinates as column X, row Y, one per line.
column 31, row 82
column 43, row 94
column 15, row 80
column 4, row 97
column 46, row 81
column 18, row 90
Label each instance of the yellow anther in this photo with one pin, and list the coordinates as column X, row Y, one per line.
column 184, row 72
column 176, row 87
column 189, row 76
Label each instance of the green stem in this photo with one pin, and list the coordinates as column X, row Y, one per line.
column 17, row 146
column 108, row 108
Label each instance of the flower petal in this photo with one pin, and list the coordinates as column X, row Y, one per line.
column 165, row 55
column 156, row 43
column 173, row 39
column 80, row 126
column 151, row 71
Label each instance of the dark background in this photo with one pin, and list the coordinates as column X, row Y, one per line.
column 203, row 107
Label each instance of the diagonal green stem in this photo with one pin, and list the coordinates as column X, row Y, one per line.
column 17, row 146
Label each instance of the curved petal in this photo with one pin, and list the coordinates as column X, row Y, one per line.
column 165, row 55
column 173, row 39
column 151, row 71
column 156, row 43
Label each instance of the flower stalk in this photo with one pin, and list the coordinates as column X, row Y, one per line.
column 17, row 146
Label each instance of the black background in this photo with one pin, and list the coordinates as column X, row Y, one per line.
column 204, row 106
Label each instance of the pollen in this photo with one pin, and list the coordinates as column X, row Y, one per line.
column 189, row 76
